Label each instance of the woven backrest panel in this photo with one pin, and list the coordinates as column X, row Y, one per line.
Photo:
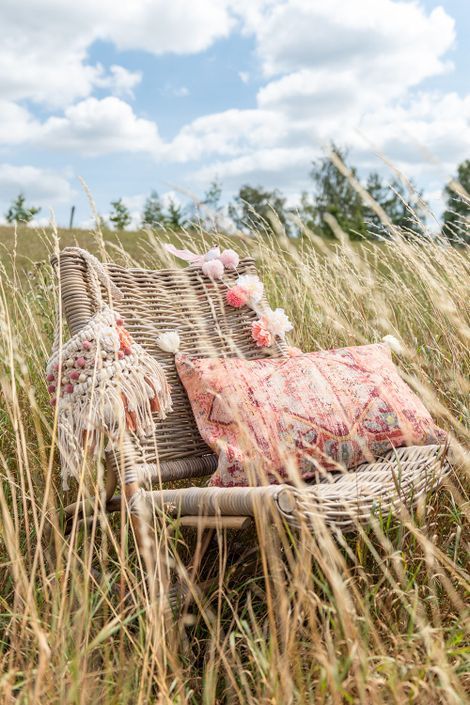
column 159, row 301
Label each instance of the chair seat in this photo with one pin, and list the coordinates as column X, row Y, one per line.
column 342, row 500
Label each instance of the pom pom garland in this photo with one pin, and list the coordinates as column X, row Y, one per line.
column 237, row 297
column 213, row 268
column 248, row 291
column 230, row 259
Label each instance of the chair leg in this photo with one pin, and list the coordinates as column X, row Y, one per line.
column 82, row 511
column 153, row 558
column 138, row 524
column 203, row 542
column 181, row 591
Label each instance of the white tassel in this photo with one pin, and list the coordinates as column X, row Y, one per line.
column 169, row 342
column 393, row 343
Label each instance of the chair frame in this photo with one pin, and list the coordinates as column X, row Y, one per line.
column 156, row 301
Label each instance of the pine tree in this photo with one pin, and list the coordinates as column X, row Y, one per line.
column 120, row 216
column 404, row 211
column 258, row 210
column 211, row 208
column 335, row 195
column 152, row 214
column 174, row 218
column 19, row 212
column 456, row 217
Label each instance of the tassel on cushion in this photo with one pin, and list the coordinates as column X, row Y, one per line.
column 102, row 381
column 393, row 343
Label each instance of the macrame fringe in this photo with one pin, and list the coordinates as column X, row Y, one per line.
column 103, row 392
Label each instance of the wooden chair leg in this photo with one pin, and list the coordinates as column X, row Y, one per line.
column 85, row 508
column 138, row 524
column 82, row 511
column 203, row 542
column 153, row 558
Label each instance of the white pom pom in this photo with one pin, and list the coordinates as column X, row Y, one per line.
column 169, row 342
column 393, row 343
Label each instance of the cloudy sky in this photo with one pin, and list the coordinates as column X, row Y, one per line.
column 134, row 95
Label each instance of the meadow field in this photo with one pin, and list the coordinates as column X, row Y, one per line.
column 378, row 616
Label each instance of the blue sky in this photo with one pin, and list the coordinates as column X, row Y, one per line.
column 140, row 96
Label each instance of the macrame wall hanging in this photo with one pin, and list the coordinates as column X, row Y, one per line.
column 101, row 381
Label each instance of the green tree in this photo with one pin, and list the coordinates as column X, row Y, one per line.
column 120, row 216
column 213, row 195
column 19, row 212
column 404, row 211
column 174, row 216
column 211, row 207
column 258, row 209
column 334, row 195
column 152, row 214
column 456, row 217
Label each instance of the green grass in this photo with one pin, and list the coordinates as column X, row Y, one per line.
column 378, row 617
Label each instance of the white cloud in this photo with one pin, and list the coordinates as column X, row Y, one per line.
column 91, row 127
column 94, row 127
column 43, row 53
column 431, row 131
column 404, row 43
column 228, row 133
column 345, row 61
column 16, row 123
column 424, row 137
column 120, row 81
column 341, row 70
column 181, row 92
column 262, row 166
column 177, row 27
column 171, row 197
column 348, row 73
column 41, row 187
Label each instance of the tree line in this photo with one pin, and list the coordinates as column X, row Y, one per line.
column 338, row 199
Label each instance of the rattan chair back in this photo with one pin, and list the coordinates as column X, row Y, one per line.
column 155, row 302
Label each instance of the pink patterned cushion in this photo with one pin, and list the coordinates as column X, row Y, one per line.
column 281, row 419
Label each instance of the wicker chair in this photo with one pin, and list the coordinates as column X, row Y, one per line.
column 184, row 299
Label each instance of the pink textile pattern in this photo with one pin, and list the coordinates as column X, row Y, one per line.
column 278, row 420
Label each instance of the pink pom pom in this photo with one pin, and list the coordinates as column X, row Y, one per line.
column 53, row 401
column 119, row 322
column 261, row 335
column 80, row 362
column 230, row 259
column 56, row 366
column 86, row 345
column 50, row 377
column 120, row 354
column 68, row 388
column 74, row 375
column 236, row 297
column 214, row 269
column 127, row 351
column 214, row 253
column 51, row 388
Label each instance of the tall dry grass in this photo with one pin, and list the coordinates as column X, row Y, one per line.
column 380, row 616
